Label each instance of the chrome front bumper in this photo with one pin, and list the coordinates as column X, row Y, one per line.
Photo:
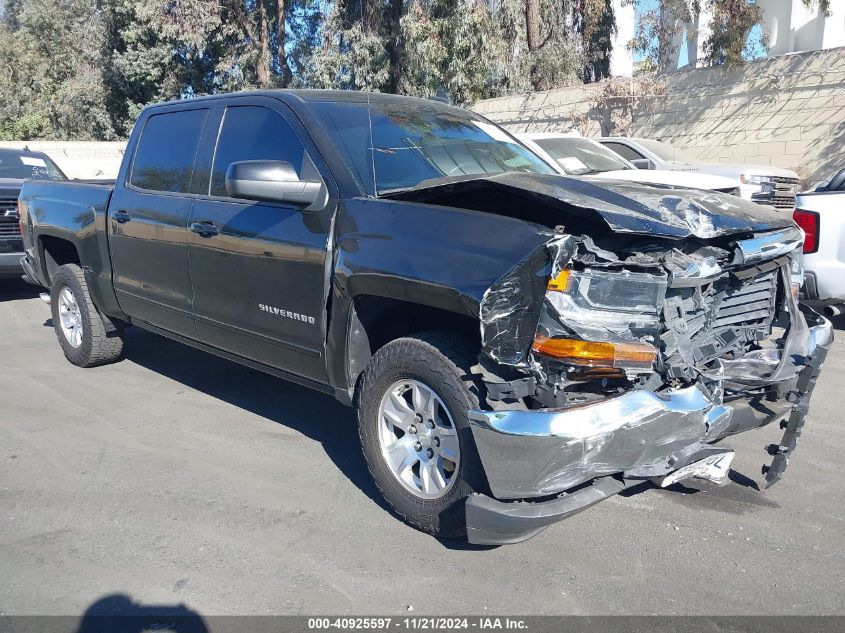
column 637, row 435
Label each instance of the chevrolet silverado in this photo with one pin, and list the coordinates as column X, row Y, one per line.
column 518, row 344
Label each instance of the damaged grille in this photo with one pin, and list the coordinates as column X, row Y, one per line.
column 752, row 304
column 716, row 319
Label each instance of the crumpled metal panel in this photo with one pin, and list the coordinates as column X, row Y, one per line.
column 624, row 207
column 510, row 308
column 570, row 446
column 769, row 366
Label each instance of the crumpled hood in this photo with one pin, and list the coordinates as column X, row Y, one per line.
column 626, row 207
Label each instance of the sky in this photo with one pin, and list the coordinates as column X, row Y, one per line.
column 641, row 6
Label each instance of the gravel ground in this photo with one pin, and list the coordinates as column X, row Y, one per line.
column 177, row 478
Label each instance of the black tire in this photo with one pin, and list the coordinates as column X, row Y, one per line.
column 98, row 346
column 441, row 361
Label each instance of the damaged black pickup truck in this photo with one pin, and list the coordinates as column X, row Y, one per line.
column 518, row 344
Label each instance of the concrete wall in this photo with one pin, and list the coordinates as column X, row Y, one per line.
column 79, row 159
column 558, row 110
column 786, row 111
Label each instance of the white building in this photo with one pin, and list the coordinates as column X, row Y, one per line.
column 789, row 27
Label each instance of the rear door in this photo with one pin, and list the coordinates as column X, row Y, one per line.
column 625, row 151
column 148, row 220
column 260, row 278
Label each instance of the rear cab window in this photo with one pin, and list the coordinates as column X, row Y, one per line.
column 164, row 157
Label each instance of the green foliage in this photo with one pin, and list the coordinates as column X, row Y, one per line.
column 352, row 54
column 732, row 20
column 659, row 32
column 453, row 46
column 471, row 49
column 52, row 81
column 822, row 5
column 660, row 29
column 595, row 20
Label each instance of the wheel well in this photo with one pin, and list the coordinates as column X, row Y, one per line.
column 57, row 252
column 378, row 320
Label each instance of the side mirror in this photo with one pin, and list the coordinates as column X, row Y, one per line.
column 271, row 181
column 642, row 163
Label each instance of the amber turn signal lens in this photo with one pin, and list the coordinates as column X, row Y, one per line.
column 560, row 282
column 596, row 354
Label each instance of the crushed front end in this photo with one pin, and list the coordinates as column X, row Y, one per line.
column 644, row 354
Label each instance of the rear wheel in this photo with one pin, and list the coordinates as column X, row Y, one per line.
column 415, row 431
column 81, row 331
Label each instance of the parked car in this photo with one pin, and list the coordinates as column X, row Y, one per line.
column 15, row 166
column 519, row 345
column 577, row 156
column 824, row 251
column 762, row 184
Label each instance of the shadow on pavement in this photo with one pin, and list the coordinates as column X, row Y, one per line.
column 12, row 289
column 313, row 414
column 117, row 613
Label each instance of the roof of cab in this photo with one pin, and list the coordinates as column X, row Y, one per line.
column 313, row 96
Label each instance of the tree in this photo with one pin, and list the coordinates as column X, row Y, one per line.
column 158, row 51
column 596, row 23
column 659, row 31
column 53, row 82
column 728, row 38
column 453, row 46
column 822, row 5
column 551, row 45
column 352, row 53
column 10, row 11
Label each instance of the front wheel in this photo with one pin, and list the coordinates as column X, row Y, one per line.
column 79, row 327
column 415, row 431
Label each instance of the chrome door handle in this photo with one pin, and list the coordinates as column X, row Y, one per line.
column 205, row 229
column 121, row 217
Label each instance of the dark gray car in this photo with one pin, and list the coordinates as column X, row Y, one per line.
column 17, row 165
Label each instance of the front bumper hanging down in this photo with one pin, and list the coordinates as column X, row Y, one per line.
column 546, row 465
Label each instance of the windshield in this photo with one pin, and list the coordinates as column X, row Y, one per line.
column 664, row 151
column 579, row 156
column 414, row 142
column 20, row 165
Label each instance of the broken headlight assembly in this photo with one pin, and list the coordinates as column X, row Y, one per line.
column 598, row 318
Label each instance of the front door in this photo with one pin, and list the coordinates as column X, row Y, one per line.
column 259, row 269
column 148, row 222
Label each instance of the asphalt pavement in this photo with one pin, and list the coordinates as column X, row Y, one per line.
column 177, row 478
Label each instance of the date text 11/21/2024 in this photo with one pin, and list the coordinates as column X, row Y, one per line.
column 419, row 623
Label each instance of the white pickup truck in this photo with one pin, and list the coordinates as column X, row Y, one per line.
column 824, row 251
column 763, row 184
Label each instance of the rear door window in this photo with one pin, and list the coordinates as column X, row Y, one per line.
column 624, row 151
column 254, row 133
column 164, row 160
